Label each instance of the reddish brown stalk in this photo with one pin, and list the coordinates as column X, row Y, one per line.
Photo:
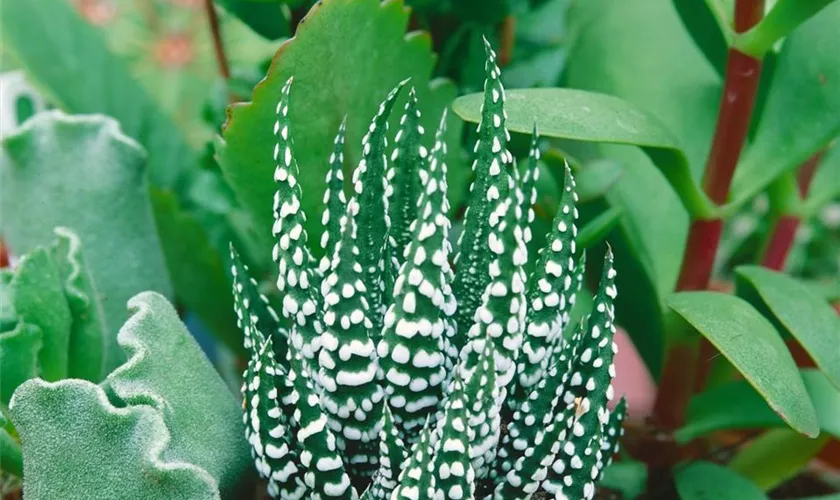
column 736, row 105
column 507, row 40
column 784, row 229
column 219, row 47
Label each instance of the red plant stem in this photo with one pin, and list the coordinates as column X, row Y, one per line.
column 507, row 40
column 219, row 46
column 740, row 87
column 784, row 229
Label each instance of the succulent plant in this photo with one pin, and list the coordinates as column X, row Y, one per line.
column 402, row 377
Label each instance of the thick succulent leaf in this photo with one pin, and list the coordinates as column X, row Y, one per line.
column 296, row 280
column 93, row 176
column 483, row 412
column 87, row 329
column 369, row 210
column 761, row 462
column 330, row 58
column 352, row 395
column 754, row 347
column 824, row 187
column 587, row 116
column 798, row 310
column 418, row 478
column 551, row 292
column 802, row 113
column 611, row 436
column 605, row 58
column 589, row 390
column 38, row 298
column 392, row 456
column 335, row 202
column 168, row 427
column 412, row 349
column 738, row 406
column 710, row 26
column 487, row 193
column 784, row 17
column 702, row 480
column 56, row 420
column 451, row 463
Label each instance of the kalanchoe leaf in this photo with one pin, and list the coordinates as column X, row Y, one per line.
column 392, row 456
column 248, row 301
column 370, row 213
column 451, row 465
column 352, row 394
column 403, row 176
column 610, row 435
column 335, row 202
column 417, row 480
column 325, row 474
column 412, row 348
column 492, row 159
column 266, row 429
column 551, row 292
column 590, row 388
column 296, row 279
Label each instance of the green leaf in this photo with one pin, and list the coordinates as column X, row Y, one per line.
column 87, row 331
column 345, row 57
column 38, row 298
column 597, row 178
column 269, row 18
column 709, row 24
column 92, row 176
column 11, row 459
column 628, row 477
column 756, row 350
column 166, row 425
column 61, row 56
column 798, row 311
column 737, row 405
column 761, row 462
column 196, row 269
column 824, row 186
column 785, row 16
column 802, row 113
column 704, row 480
column 598, row 228
column 604, row 57
column 587, row 116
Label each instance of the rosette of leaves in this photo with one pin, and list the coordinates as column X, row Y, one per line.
column 398, row 370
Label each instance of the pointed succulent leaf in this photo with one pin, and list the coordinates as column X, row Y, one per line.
column 483, row 411
column 392, row 456
column 412, row 349
column 611, row 435
column 590, row 389
column 325, row 473
column 370, row 212
column 335, row 202
column 551, row 293
column 352, row 395
column 403, row 176
column 529, row 180
column 452, row 466
column 541, row 408
column 296, row 279
column 248, row 302
column 491, row 162
column 418, row 479
column 266, row 429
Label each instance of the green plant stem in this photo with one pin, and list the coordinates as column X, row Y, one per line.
column 782, row 235
column 740, row 88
